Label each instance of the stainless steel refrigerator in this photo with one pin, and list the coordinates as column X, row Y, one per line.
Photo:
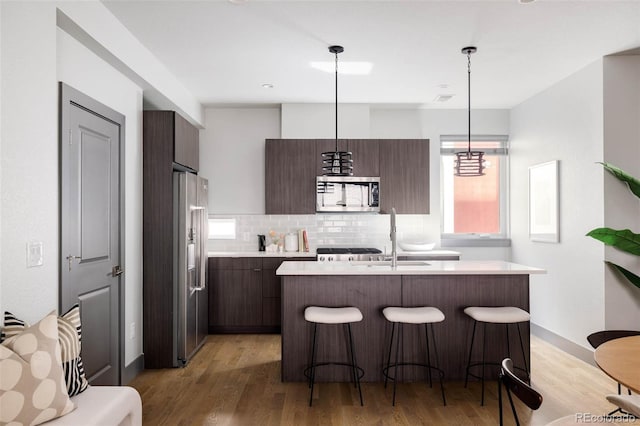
column 191, row 300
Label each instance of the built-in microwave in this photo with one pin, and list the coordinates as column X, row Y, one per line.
column 337, row 194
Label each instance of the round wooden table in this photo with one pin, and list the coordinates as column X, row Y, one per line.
column 620, row 359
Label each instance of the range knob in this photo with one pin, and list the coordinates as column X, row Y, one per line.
column 321, row 258
column 329, row 258
column 351, row 259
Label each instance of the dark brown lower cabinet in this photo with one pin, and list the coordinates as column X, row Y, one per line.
column 244, row 294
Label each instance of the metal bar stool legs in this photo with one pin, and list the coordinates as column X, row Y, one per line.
column 494, row 315
column 321, row 315
column 401, row 316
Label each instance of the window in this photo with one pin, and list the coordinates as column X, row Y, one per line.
column 222, row 229
column 475, row 207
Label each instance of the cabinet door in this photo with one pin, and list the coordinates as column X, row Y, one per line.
column 235, row 297
column 404, row 175
column 186, row 143
column 290, row 176
column 366, row 156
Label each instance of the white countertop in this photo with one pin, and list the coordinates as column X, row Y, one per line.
column 261, row 254
column 428, row 253
column 430, row 267
column 313, row 253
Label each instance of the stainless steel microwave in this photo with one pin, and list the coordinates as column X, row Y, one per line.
column 338, row 194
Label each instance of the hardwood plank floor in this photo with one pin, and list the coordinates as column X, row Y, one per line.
column 235, row 380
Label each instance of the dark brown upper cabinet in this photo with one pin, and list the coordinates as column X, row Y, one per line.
column 290, row 176
column 404, row 176
column 291, row 167
column 171, row 130
column 366, row 156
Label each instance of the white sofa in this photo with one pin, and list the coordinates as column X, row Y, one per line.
column 104, row 406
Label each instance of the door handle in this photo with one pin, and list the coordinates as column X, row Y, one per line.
column 116, row 271
column 70, row 259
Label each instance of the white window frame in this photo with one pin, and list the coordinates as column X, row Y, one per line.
column 500, row 239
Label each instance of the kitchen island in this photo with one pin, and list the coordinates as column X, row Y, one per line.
column 371, row 286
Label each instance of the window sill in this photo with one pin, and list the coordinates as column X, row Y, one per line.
column 473, row 241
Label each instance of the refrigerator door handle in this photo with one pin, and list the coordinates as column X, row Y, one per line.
column 204, row 235
column 200, row 274
column 197, row 213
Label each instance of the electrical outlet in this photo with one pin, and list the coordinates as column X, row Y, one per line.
column 246, row 236
column 132, row 331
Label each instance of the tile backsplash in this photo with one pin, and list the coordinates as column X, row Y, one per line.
column 337, row 230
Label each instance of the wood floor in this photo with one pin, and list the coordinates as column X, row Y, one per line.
column 235, row 380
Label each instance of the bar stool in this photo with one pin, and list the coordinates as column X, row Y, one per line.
column 421, row 315
column 322, row 315
column 494, row 315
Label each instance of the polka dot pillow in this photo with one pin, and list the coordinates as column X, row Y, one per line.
column 32, row 386
column 69, row 337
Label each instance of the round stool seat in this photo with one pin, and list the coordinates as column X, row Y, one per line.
column 500, row 315
column 323, row 315
column 421, row 315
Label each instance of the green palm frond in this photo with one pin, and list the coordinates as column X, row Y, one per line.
column 621, row 175
column 630, row 276
column 624, row 240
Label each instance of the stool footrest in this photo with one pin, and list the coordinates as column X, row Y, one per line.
column 385, row 370
column 344, row 364
column 497, row 364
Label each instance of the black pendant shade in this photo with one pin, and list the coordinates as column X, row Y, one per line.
column 469, row 163
column 337, row 163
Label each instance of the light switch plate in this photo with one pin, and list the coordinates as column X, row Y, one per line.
column 34, row 254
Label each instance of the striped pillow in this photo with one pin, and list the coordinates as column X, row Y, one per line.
column 69, row 336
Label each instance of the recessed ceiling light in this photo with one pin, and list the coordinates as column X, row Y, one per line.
column 354, row 68
column 237, row 1
column 267, row 85
column 525, row 1
column 442, row 86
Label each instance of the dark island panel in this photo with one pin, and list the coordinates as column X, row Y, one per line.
column 451, row 294
column 370, row 294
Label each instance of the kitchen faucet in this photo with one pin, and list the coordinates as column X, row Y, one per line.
column 392, row 235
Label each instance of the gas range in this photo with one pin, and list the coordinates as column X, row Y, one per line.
column 343, row 254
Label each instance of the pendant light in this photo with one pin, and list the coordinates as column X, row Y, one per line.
column 469, row 163
column 337, row 163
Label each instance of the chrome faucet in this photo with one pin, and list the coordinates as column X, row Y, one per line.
column 392, row 235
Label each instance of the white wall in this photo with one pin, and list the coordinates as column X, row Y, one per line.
column 621, row 207
column 29, row 157
column 563, row 123
column 232, row 157
column 84, row 71
column 318, row 121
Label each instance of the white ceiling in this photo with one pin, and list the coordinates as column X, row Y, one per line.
column 223, row 52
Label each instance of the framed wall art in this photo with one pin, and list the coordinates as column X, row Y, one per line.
column 544, row 213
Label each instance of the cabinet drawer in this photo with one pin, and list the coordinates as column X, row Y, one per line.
column 235, row 263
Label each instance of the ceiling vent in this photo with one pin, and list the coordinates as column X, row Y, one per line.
column 443, row 98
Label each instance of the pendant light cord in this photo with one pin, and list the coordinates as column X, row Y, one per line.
column 469, row 103
column 336, row 102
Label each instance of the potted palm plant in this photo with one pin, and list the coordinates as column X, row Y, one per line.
column 624, row 239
